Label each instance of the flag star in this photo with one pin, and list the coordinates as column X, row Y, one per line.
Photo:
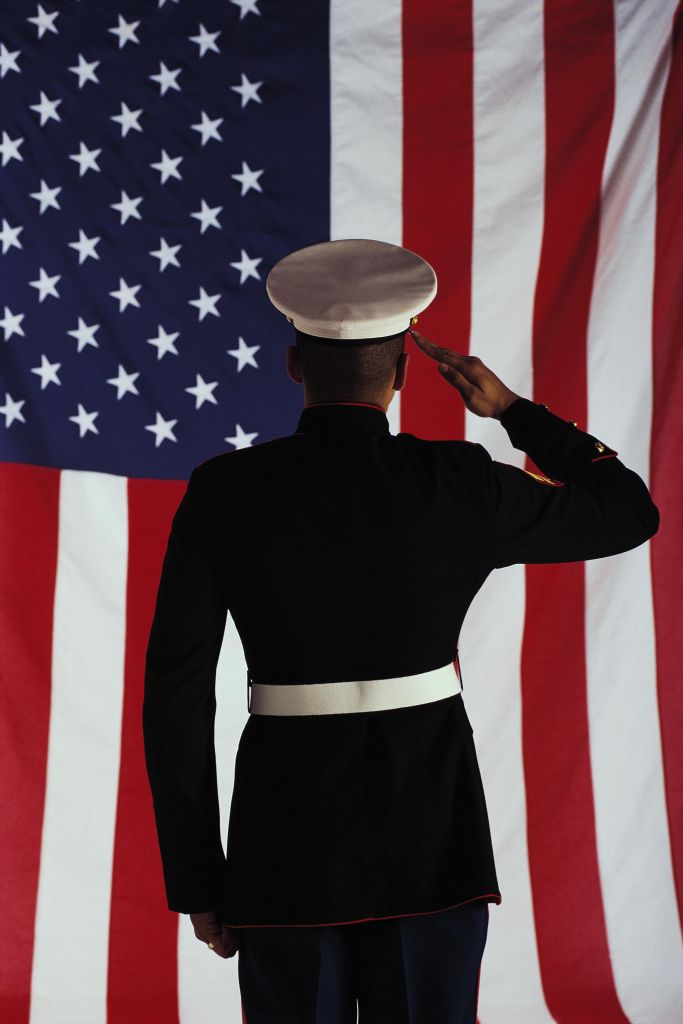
column 241, row 440
column 248, row 178
column 12, row 410
column 124, row 382
column 85, row 421
column 208, row 128
column 125, row 31
column 8, row 60
column 84, row 335
column 85, row 246
column 246, row 7
column 47, row 109
column 10, row 148
column 168, row 166
column 85, row 71
column 203, row 392
column 205, row 40
column 44, row 21
column 166, row 254
column 126, row 294
column 127, row 207
column 47, row 196
column 162, row 2
column 208, row 215
column 244, row 354
column 9, row 236
column 11, row 323
column 248, row 90
column 205, row 303
column 162, row 429
column 247, row 267
column 127, row 119
column 164, row 342
column 86, row 159
column 166, row 78
column 46, row 284
column 47, row 372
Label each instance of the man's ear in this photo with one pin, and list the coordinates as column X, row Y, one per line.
column 293, row 369
column 401, row 367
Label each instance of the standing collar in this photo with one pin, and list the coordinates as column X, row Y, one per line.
column 347, row 417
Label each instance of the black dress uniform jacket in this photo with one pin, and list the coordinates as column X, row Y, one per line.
column 345, row 552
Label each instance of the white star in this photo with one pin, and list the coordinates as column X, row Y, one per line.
column 124, row 382
column 164, row 342
column 9, row 236
column 85, row 246
column 203, row 392
column 47, row 372
column 85, row 71
column 46, row 196
column 166, row 254
column 246, row 7
column 10, row 148
column 162, row 429
column 46, row 108
column 248, row 178
column 127, row 207
column 205, row 40
column 248, row 90
column 244, row 354
column 12, row 410
column 166, row 78
column 85, row 421
column 127, row 119
column 241, row 440
column 168, row 166
column 162, row 2
column 126, row 295
column 86, row 159
column 208, row 128
column 205, row 303
column 46, row 285
column 208, row 216
column 85, row 335
column 247, row 267
column 11, row 323
column 44, row 21
column 125, row 31
column 8, row 60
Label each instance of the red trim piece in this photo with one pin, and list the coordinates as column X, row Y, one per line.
column 367, row 405
column 493, row 897
column 600, row 457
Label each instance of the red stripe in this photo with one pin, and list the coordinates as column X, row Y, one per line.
column 438, row 192
column 143, row 931
column 562, row 846
column 29, row 516
column 666, row 481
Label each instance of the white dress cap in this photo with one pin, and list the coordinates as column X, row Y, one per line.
column 351, row 288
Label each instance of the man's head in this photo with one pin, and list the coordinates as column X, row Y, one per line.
column 348, row 371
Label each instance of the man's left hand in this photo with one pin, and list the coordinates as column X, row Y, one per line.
column 208, row 927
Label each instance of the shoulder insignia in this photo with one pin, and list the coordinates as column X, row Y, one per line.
column 544, row 479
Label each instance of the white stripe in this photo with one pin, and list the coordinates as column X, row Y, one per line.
column 69, row 981
column 366, row 110
column 509, row 151
column 631, row 819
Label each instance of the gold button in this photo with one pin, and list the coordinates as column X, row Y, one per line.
column 413, row 320
column 599, row 446
column 544, row 405
column 289, row 319
column 574, row 423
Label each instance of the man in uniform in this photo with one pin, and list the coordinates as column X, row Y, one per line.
column 359, row 862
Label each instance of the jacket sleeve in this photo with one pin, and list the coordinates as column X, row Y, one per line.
column 179, row 712
column 590, row 505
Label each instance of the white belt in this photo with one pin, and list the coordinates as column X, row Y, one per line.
column 355, row 695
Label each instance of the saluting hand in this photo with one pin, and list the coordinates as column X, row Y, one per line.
column 208, row 927
column 482, row 392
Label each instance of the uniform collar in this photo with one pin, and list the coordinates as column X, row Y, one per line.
column 347, row 417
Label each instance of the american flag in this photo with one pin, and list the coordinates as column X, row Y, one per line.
column 157, row 159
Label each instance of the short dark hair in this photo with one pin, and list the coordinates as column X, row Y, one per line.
column 349, row 370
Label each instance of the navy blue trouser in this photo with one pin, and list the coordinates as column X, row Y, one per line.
column 403, row 970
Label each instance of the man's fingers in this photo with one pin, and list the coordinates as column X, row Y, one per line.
column 469, row 366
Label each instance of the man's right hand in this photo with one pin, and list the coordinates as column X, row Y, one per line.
column 483, row 393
